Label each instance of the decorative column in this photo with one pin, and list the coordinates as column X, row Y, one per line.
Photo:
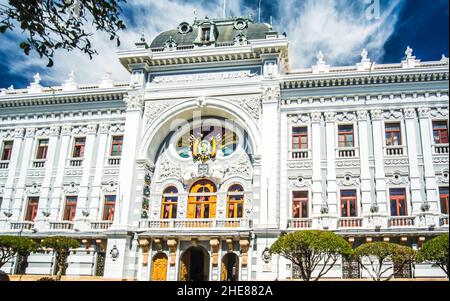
column 172, row 243
column 12, row 169
column 380, row 207
column 95, row 200
column 244, row 243
column 56, row 201
column 332, row 205
column 269, row 172
column 82, row 204
column 414, row 175
column 316, row 142
column 144, row 269
column 430, row 204
column 132, row 136
column 24, row 165
column 44, row 202
column 214, row 243
column 366, row 191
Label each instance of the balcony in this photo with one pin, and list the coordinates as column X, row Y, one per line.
column 101, row 225
column 4, row 164
column 300, row 223
column 350, row 222
column 440, row 149
column 62, row 225
column 299, row 154
column 401, row 221
column 113, row 161
column 395, row 150
column 443, row 220
column 75, row 162
column 347, row 152
column 22, row 225
column 194, row 223
column 38, row 163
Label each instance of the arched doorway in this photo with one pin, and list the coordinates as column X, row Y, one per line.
column 230, row 267
column 202, row 200
column 194, row 265
column 159, row 267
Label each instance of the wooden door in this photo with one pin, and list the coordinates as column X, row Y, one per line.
column 159, row 270
column 184, row 266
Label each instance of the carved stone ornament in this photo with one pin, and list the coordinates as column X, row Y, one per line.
column 168, row 170
column 252, row 106
column 362, row 115
column 266, row 255
column 242, row 168
column 410, row 113
column 30, row 132
column 393, row 114
column 33, row 189
column 424, row 112
column 346, row 116
column 349, row 180
column 439, row 112
column 66, row 130
column 443, row 178
column 271, row 94
column 316, row 116
column 110, row 186
column 376, row 114
column 104, row 128
column 92, row 129
column 397, row 179
column 114, row 253
column 71, row 188
column 299, row 118
column 154, row 110
column 299, row 182
column 134, row 102
column 330, row 116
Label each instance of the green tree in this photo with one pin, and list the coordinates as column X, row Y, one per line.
column 61, row 246
column 307, row 249
column 11, row 246
column 436, row 251
column 383, row 259
column 49, row 25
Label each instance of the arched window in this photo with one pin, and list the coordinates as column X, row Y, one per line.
column 202, row 200
column 169, row 202
column 235, row 202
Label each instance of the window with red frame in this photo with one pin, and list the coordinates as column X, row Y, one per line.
column 42, row 148
column 300, row 204
column 32, row 208
column 109, row 207
column 116, row 146
column 70, row 208
column 78, row 147
column 397, row 198
column 443, row 197
column 393, row 134
column 440, row 132
column 7, row 150
column 346, row 136
column 348, row 203
column 300, row 137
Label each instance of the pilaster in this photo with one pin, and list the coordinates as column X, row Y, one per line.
column 366, row 195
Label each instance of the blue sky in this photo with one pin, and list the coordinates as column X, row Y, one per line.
column 339, row 28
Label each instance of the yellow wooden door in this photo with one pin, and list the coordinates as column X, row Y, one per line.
column 159, row 272
column 224, row 271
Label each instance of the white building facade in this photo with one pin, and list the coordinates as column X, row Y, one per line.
column 215, row 147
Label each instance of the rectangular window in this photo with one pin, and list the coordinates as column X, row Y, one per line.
column 42, row 148
column 206, row 33
column 116, row 146
column 393, row 134
column 398, row 202
column 78, row 147
column 300, row 204
column 1, row 201
column 7, row 150
column 70, row 208
column 443, row 197
column 346, row 136
column 440, row 132
column 32, row 208
column 348, row 203
column 109, row 207
column 299, row 138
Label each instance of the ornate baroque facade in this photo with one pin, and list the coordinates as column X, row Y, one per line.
column 194, row 167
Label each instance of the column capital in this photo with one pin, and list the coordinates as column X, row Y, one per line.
column 410, row 113
column 134, row 103
column 30, row 132
column 316, row 117
column 92, row 128
column 54, row 131
column 104, row 128
column 362, row 115
column 424, row 112
column 330, row 116
column 377, row 114
column 271, row 94
column 66, row 130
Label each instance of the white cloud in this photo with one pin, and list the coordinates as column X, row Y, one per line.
column 339, row 28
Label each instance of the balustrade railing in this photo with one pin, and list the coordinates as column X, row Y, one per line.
column 300, row 154
column 101, row 225
column 194, row 223
column 401, row 221
column 347, row 152
column 38, row 163
column 75, row 162
column 440, row 149
column 4, row 164
column 350, row 222
column 113, row 161
column 395, row 150
column 21, row 225
column 299, row 223
column 61, row 225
